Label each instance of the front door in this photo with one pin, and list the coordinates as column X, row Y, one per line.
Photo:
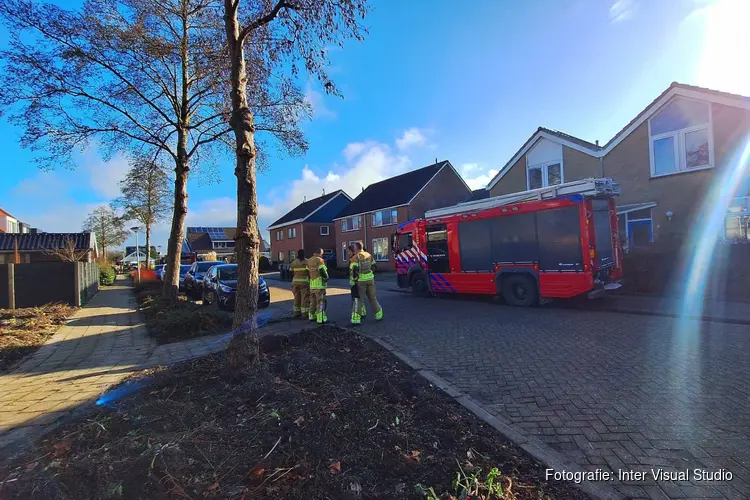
column 437, row 249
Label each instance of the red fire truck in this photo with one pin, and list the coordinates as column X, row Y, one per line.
column 555, row 242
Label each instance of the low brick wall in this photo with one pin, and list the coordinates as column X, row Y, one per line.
column 662, row 271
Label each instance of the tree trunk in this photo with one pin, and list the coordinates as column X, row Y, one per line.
column 174, row 247
column 148, row 246
column 243, row 351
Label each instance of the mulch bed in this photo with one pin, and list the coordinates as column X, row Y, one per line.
column 180, row 320
column 334, row 416
column 23, row 332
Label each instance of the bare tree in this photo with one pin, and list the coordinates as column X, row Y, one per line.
column 108, row 226
column 68, row 252
column 129, row 74
column 265, row 37
column 145, row 195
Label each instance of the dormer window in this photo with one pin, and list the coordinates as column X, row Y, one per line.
column 681, row 138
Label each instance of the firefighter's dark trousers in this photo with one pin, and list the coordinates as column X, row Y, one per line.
column 367, row 289
column 301, row 291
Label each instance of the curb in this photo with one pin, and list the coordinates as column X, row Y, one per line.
column 535, row 448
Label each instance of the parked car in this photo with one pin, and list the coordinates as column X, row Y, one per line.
column 194, row 278
column 160, row 270
column 184, row 268
column 220, row 287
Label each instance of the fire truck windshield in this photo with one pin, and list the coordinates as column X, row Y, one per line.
column 402, row 242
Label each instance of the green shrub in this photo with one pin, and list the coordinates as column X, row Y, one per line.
column 107, row 275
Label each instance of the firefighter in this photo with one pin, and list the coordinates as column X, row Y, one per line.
column 318, row 272
column 366, row 279
column 358, row 305
column 300, row 286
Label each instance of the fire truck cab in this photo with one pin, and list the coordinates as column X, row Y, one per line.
column 555, row 242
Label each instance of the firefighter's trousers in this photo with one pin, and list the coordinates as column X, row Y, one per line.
column 317, row 310
column 301, row 293
column 358, row 306
column 367, row 289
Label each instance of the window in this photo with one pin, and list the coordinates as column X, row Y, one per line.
column 279, row 235
column 384, row 218
column 404, row 242
column 737, row 220
column 292, row 232
column 380, row 249
column 681, row 138
column 281, row 256
column 324, row 230
column 546, row 174
column 636, row 228
column 12, row 226
column 27, row 258
column 2, row 258
column 292, row 255
column 350, row 224
column 344, row 253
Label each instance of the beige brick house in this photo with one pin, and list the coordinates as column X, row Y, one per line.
column 372, row 217
column 665, row 161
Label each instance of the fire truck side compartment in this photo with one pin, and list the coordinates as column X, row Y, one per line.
column 475, row 243
column 514, row 239
column 560, row 244
column 603, row 233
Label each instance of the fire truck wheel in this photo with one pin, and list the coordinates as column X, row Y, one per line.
column 520, row 290
column 419, row 285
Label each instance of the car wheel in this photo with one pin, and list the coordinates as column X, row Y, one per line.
column 520, row 290
column 419, row 285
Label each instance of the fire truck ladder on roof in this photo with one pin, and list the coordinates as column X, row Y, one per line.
column 588, row 188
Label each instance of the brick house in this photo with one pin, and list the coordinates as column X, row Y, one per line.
column 373, row 215
column 665, row 160
column 45, row 247
column 10, row 224
column 309, row 225
column 200, row 240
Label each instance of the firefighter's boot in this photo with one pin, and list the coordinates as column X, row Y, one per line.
column 379, row 315
column 356, row 319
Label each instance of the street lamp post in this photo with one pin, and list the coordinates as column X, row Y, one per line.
column 137, row 252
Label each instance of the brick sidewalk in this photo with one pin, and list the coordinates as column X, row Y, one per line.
column 103, row 343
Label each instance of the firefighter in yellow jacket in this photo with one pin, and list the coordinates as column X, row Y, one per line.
column 316, row 267
column 366, row 279
column 300, row 286
column 358, row 304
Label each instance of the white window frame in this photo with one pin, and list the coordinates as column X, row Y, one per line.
column 279, row 235
column 545, row 173
column 642, row 219
column 327, row 230
column 13, row 226
column 344, row 251
column 679, row 142
column 345, row 227
column 281, row 256
column 387, row 253
column 291, row 233
column 391, row 211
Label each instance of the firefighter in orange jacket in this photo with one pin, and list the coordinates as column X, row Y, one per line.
column 300, row 286
column 318, row 272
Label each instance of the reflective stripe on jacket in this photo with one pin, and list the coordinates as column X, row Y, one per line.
column 318, row 271
column 353, row 271
column 365, row 263
column 299, row 268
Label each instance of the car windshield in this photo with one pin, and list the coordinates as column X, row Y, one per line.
column 202, row 267
column 228, row 273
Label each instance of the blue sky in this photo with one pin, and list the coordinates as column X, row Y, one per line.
column 441, row 79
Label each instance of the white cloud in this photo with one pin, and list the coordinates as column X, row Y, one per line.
column 476, row 175
column 622, row 10
column 412, row 137
column 104, row 176
column 317, row 101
